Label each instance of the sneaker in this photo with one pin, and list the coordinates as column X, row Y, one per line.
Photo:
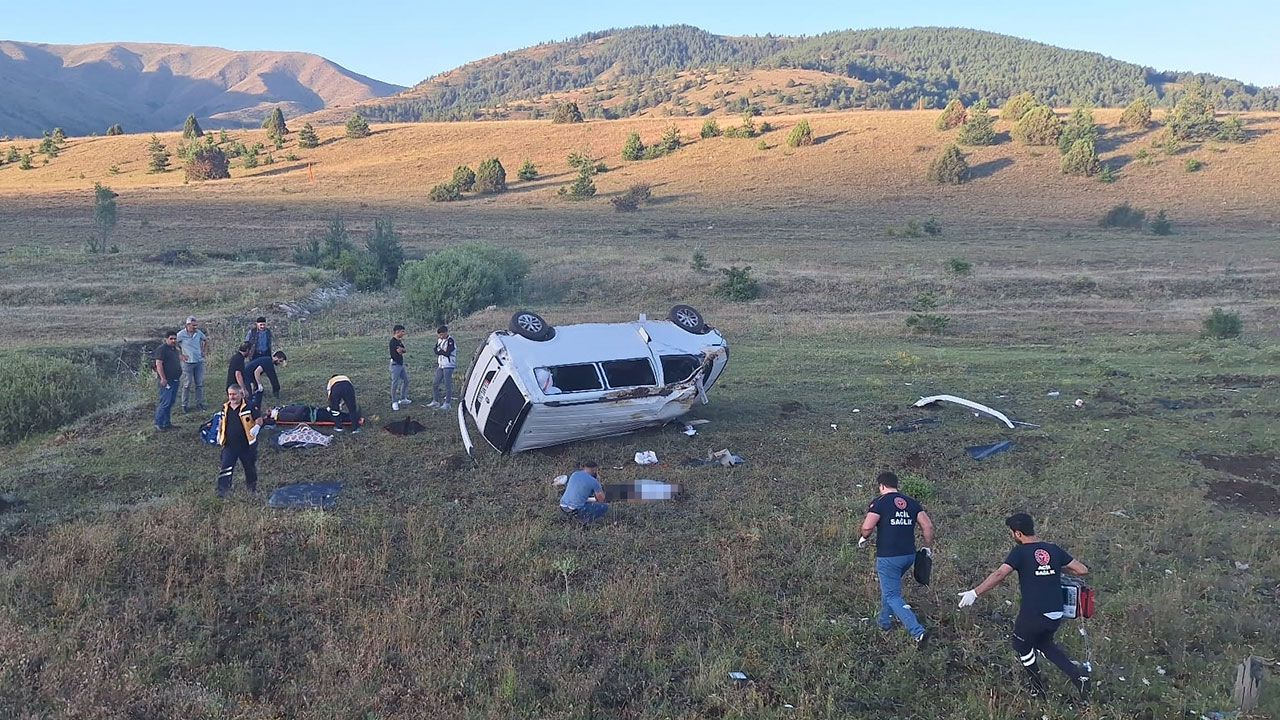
column 338, row 428
column 433, row 403
column 395, row 406
column 922, row 640
column 406, row 401
column 444, row 406
column 355, row 430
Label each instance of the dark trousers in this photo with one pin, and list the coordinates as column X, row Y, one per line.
column 270, row 372
column 345, row 392
column 1034, row 632
column 248, row 459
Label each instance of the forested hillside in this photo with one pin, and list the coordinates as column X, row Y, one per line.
column 637, row 69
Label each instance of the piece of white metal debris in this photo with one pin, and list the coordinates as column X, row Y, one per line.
column 1054, row 393
column 646, row 457
column 560, row 480
column 1119, row 513
column 688, row 430
column 1242, row 566
column 967, row 403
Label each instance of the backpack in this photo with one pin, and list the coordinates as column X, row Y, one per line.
column 1077, row 599
column 209, row 430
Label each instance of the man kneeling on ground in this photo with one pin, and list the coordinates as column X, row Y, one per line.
column 238, row 436
column 583, row 496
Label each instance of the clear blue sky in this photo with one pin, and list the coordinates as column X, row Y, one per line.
column 403, row 41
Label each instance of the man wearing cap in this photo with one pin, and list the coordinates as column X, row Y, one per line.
column 259, row 339
column 192, row 346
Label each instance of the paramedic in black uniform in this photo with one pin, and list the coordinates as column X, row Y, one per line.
column 1039, row 565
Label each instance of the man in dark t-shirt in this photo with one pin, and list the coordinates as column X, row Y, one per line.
column 1040, row 566
column 399, row 373
column 894, row 517
column 263, row 369
column 236, row 374
column 168, row 367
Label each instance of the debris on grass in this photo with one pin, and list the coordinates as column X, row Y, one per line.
column 646, row 457
column 724, row 458
column 306, row 495
column 923, row 423
column 982, row 452
column 967, row 403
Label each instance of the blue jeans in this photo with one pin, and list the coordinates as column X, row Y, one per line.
column 168, row 393
column 442, row 389
column 891, row 571
column 192, row 376
column 591, row 512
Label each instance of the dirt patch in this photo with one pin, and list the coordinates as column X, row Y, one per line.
column 1246, row 496
column 1263, row 468
column 792, row 407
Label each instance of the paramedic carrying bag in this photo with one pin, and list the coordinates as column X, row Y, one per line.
column 1077, row 599
column 922, row 569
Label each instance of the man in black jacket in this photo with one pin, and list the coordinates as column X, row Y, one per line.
column 259, row 339
column 1039, row 565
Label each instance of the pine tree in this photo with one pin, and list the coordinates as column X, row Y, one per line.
column 801, row 134
column 191, row 128
column 464, row 178
column 307, row 137
column 1017, row 106
column 491, row 177
column 527, row 171
column 953, row 115
column 950, row 168
column 274, row 124
column 566, row 113
column 59, row 136
column 115, row 130
column 357, row 127
column 979, row 126
column 633, row 149
column 13, row 156
column 1192, row 117
column 1137, row 115
column 1081, row 158
column 104, row 217
column 159, row 155
column 1038, row 126
column 48, row 146
column 1079, row 126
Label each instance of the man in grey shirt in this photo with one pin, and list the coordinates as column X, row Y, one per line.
column 192, row 346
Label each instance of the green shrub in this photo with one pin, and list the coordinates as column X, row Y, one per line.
column 959, row 267
column 801, row 134
column 24, row 163
column 191, row 128
column 669, row 142
column 953, row 115
column 1081, row 159
column 699, row 261
column 491, row 177
column 1017, row 106
column 1192, row 165
column 307, row 137
column 949, row 168
column 274, row 123
column 459, row 280
column 383, row 244
column 916, row 487
column 1079, row 126
column 463, row 178
column 762, row 145
column 444, row 192
column 979, row 126
column 632, row 198
column 1124, row 215
column 1223, row 325
column 710, row 128
column 158, row 154
column 928, row 323
column 207, row 162
column 1192, row 117
column 633, row 149
column 1160, row 224
column 566, row 113
column 1137, row 116
column 527, row 171
column 738, row 284
column 115, row 130
column 104, row 218
column 1106, row 174
column 43, row 393
column 931, row 227
column 357, row 127
column 1038, row 126
column 924, row 301
column 1232, row 130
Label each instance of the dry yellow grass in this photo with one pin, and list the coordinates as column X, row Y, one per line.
column 863, row 161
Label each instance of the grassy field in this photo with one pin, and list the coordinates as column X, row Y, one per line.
column 443, row 589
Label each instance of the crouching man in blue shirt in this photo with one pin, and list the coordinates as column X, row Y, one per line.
column 583, row 497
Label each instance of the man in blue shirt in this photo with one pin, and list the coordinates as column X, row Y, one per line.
column 583, row 497
column 894, row 517
column 259, row 339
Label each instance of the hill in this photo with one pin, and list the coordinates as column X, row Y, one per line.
column 682, row 70
column 147, row 87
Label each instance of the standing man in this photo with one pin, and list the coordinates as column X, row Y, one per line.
column 238, row 436
column 894, row 517
column 168, row 370
column 446, row 361
column 260, row 369
column 259, row 338
column 192, row 346
column 236, row 372
column 399, row 373
column 583, row 496
column 343, row 392
column 1039, row 565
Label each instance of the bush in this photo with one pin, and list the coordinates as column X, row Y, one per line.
column 738, row 284
column 633, row 149
column 801, row 134
column 950, row 168
column 566, row 113
column 632, row 198
column 42, row 393
column 582, row 187
column 1081, row 159
column 1079, row 126
column 956, row 266
column 104, row 218
column 928, row 323
column 1232, row 130
column 462, row 279
column 953, row 115
column 710, row 128
column 1137, row 116
column 1038, row 126
column 115, row 130
column 917, row 487
column 444, row 192
column 1106, row 174
column 383, row 244
column 979, row 126
column 463, row 178
column 357, row 127
column 491, row 177
column 307, row 137
column 1223, row 325
column 207, row 162
column 191, row 128
column 1017, row 106
column 1124, row 216
column 1160, row 224
column 670, row 141
column 1192, row 117
column 698, row 263
column 527, row 171
column 1192, row 165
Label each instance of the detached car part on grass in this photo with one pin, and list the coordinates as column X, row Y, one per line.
column 535, row 385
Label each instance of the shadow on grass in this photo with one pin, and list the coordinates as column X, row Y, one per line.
column 829, row 136
column 989, row 168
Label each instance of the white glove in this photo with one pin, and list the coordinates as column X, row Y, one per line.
column 928, row 553
column 967, row 598
column 862, row 541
